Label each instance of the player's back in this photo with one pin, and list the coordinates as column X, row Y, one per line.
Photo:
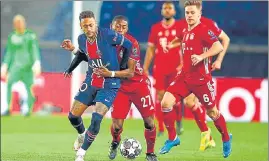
column 160, row 36
column 197, row 41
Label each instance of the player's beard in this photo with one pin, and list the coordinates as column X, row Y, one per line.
column 168, row 18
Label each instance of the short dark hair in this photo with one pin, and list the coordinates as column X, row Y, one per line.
column 120, row 17
column 169, row 2
column 86, row 14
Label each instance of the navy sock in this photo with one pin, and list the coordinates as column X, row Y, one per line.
column 92, row 131
column 77, row 122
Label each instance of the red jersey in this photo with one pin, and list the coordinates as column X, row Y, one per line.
column 197, row 41
column 135, row 55
column 160, row 35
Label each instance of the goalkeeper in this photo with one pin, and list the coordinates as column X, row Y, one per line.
column 21, row 61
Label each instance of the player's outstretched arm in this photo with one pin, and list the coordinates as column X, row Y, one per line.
column 225, row 41
column 75, row 62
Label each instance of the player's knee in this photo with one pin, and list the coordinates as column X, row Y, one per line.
column 149, row 122
column 212, row 113
column 190, row 101
column 117, row 125
column 75, row 120
column 168, row 101
column 95, row 123
column 101, row 108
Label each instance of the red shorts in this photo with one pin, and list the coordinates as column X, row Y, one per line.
column 162, row 81
column 205, row 92
column 133, row 92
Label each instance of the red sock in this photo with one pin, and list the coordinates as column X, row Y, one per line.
column 199, row 117
column 169, row 119
column 150, row 136
column 159, row 116
column 178, row 109
column 116, row 136
column 221, row 126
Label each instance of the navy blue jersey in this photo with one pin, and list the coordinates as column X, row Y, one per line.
column 103, row 52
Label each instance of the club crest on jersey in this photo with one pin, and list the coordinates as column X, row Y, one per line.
column 167, row 33
column 98, row 52
column 192, row 36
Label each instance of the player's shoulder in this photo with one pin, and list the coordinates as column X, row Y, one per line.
column 157, row 25
column 31, row 33
column 131, row 38
column 82, row 37
column 181, row 22
column 209, row 22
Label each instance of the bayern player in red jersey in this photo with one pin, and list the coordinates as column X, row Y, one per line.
column 136, row 90
column 166, row 63
column 191, row 101
column 198, row 44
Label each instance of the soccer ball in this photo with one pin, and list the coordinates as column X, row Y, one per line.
column 130, row 148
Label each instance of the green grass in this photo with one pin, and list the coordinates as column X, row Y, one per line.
column 50, row 138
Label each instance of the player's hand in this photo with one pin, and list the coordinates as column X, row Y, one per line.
column 196, row 59
column 4, row 71
column 67, row 45
column 104, row 72
column 67, row 74
column 216, row 65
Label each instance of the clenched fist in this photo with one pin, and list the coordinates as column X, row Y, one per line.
column 67, row 45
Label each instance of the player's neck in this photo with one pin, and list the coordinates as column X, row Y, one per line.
column 190, row 27
column 93, row 38
column 20, row 31
column 168, row 22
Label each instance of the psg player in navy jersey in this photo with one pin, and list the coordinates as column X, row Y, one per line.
column 98, row 44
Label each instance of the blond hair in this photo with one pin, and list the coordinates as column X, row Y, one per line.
column 197, row 3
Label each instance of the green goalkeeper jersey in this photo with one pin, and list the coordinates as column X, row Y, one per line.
column 22, row 51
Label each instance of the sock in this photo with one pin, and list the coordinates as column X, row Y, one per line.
column 76, row 122
column 178, row 110
column 169, row 121
column 199, row 117
column 92, row 131
column 220, row 124
column 159, row 116
column 116, row 134
column 150, row 136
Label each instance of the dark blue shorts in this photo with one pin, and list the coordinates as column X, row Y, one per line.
column 89, row 95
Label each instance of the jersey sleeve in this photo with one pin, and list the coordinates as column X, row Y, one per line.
column 117, row 39
column 135, row 53
column 209, row 37
column 152, row 39
column 212, row 25
column 8, row 56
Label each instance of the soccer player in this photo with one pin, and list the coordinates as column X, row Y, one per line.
column 135, row 89
column 199, row 43
column 166, row 63
column 99, row 46
column 21, row 62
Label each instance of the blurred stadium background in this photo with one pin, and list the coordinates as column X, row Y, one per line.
column 242, row 84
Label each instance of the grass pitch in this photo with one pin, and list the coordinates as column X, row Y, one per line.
column 50, row 138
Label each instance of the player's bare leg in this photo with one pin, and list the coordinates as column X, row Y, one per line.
column 159, row 114
column 220, row 124
column 75, row 119
column 169, row 120
column 93, row 130
column 193, row 103
column 150, row 136
column 116, row 130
